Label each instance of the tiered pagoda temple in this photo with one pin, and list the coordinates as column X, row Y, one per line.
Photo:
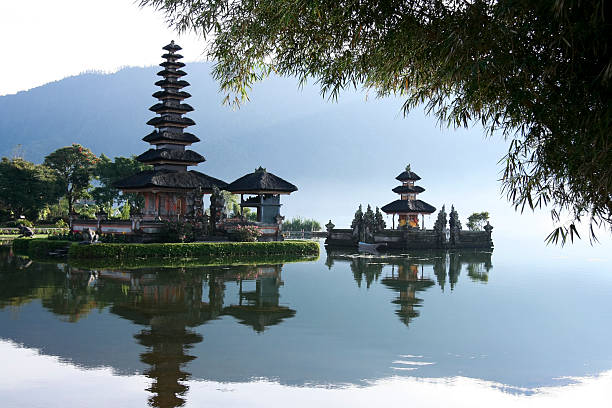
column 408, row 207
column 169, row 189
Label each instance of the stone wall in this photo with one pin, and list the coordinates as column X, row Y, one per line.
column 415, row 239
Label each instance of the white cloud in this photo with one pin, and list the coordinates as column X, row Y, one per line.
column 46, row 41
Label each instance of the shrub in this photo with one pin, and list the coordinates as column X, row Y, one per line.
column 115, row 238
column 40, row 248
column 245, row 233
column 66, row 236
column 193, row 250
column 21, row 245
column 61, row 224
column 37, row 247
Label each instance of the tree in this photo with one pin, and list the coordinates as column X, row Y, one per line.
column 26, row 188
column 301, row 224
column 539, row 72
column 109, row 172
column 232, row 207
column 73, row 167
column 476, row 221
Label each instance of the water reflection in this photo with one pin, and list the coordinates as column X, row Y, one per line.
column 360, row 319
column 168, row 304
column 407, row 274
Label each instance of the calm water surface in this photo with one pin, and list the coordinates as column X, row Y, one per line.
column 464, row 328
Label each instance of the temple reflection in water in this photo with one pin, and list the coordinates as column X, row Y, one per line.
column 169, row 304
column 406, row 275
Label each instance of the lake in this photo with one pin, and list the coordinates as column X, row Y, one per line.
column 467, row 328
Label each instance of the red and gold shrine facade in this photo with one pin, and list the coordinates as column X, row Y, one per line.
column 408, row 208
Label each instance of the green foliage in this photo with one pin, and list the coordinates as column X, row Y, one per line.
column 537, row 71
column 170, row 263
column 61, row 224
column 38, row 247
column 299, row 224
column 73, row 166
column 21, row 245
column 26, row 188
column 179, row 231
column 246, row 233
column 109, row 172
column 115, row 238
column 192, row 250
column 71, row 236
column 232, row 207
column 477, row 220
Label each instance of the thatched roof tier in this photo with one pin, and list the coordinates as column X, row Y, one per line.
column 169, row 179
column 261, row 182
column 156, row 137
column 408, row 176
column 172, row 64
column 171, row 73
column 171, row 106
column 170, row 120
column 408, row 206
column 172, row 47
column 171, row 156
column 259, row 317
column 166, row 83
column 408, row 189
column 172, row 57
column 171, row 94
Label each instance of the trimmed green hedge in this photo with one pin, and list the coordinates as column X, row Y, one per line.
column 37, row 231
column 37, row 247
column 193, row 250
column 170, row 263
column 42, row 247
column 21, row 245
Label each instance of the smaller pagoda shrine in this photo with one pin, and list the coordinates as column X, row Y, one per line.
column 408, row 207
column 264, row 189
column 169, row 190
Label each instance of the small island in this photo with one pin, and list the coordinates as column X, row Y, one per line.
column 368, row 228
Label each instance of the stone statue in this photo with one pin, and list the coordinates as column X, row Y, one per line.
column 26, row 231
column 453, row 221
column 369, row 225
column 357, row 225
column 329, row 227
column 90, row 236
column 217, row 208
column 440, row 227
column 379, row 221
column 440, row 224
column 455, row 226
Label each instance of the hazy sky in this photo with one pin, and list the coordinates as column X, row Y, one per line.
column 50, row 40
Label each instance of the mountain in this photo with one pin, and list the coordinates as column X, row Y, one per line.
column 339, row 154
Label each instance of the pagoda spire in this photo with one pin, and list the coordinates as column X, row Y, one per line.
column 169, row 136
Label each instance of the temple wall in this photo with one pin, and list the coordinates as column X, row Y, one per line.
column 415, row 239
